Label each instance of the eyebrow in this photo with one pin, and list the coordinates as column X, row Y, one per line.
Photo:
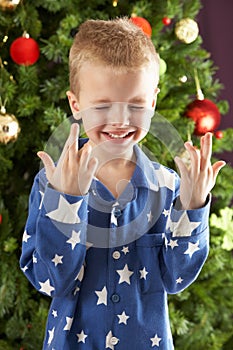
column 101, row 100
column 136, row 99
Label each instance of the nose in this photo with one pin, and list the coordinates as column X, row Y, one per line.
column 120, row 115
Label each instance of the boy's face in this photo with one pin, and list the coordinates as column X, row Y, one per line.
column 116, row 108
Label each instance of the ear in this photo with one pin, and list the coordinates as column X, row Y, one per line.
column 157, row 90
column 73, row 102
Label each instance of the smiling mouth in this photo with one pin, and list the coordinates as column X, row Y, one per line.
column 117, row 136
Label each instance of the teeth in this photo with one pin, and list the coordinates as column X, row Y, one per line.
column 114, row 136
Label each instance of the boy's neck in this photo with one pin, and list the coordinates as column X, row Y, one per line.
column 113, row 160
column 115, row 173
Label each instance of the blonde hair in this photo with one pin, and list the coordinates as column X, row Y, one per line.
column 117, row 43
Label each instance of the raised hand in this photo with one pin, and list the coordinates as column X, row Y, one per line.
column 198, row 179
column 75, row 169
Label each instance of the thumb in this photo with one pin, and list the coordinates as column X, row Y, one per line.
column 48, row 163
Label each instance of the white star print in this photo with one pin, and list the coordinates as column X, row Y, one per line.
column 183, row 227
column 114, row 219
column 46, row 287
column 123, row 318
column 69, row 321
column 165, row 178
column 102, row 296
column 57, row 259
column 42, row 197
column 173, row 243
column 155, row 341
column 77, row 289
column 25, row 268
column 149, row 216
column 143, row 273
column 111, row 341
column 192, row 248
column 125, row 274
column 34, row 259
column 166, row 212
column 66, row 212
column 81, row 337
column 25, row 236
column 80, row 275
column 74, row 239
column 51, row 335
column 179, row 280
column 153, row 186
column 125, row 250
column 54, row 313
column 88, row 245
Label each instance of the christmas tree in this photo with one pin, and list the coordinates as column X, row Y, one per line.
column 35, row 37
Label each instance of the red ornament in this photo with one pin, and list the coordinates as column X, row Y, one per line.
column 205, row 115
column 143, row 24
column 0, row 219
column 166, row 21
column 24, row 51
column 218, row 134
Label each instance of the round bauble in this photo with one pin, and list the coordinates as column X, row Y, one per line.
column 143, row 24
column 166, row 21
column 9, row 127
column 9, row 4
column 218, row 134
column 24, row 51
column 187, row 30
column 205, row 114
column 162, row 67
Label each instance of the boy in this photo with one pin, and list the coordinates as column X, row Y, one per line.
column 110, row 233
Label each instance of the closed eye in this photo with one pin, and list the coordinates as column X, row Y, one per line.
column 136, row 107
column 102, row 107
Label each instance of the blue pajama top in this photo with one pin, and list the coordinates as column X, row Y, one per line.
column 108, row 264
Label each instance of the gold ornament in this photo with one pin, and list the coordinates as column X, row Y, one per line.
column 9, row 4
column 187, row 30
column 9, row 127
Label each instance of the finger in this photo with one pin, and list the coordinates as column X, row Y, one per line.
column 73, row 144
column 206, row 150
column 48, row 163
column 74, row 130
column 93, row 165
column 217, row 167
column 194, row 154
column 85, row 156
column 182, row 167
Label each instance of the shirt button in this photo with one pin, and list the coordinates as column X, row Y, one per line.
column 114, row 340
column 115, row 298
column 116, row 212
column 116, row 255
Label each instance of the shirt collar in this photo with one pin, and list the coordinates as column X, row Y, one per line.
column 145, row 171
column 145, row 174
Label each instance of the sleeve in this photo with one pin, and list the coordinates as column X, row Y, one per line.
column 186, row 246
column 54, row 240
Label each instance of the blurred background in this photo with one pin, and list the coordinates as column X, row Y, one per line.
column 216, row 28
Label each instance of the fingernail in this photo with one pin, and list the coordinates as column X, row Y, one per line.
column 190, row 142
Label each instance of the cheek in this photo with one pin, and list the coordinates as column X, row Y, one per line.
column 142, row 124
column 90, row 125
